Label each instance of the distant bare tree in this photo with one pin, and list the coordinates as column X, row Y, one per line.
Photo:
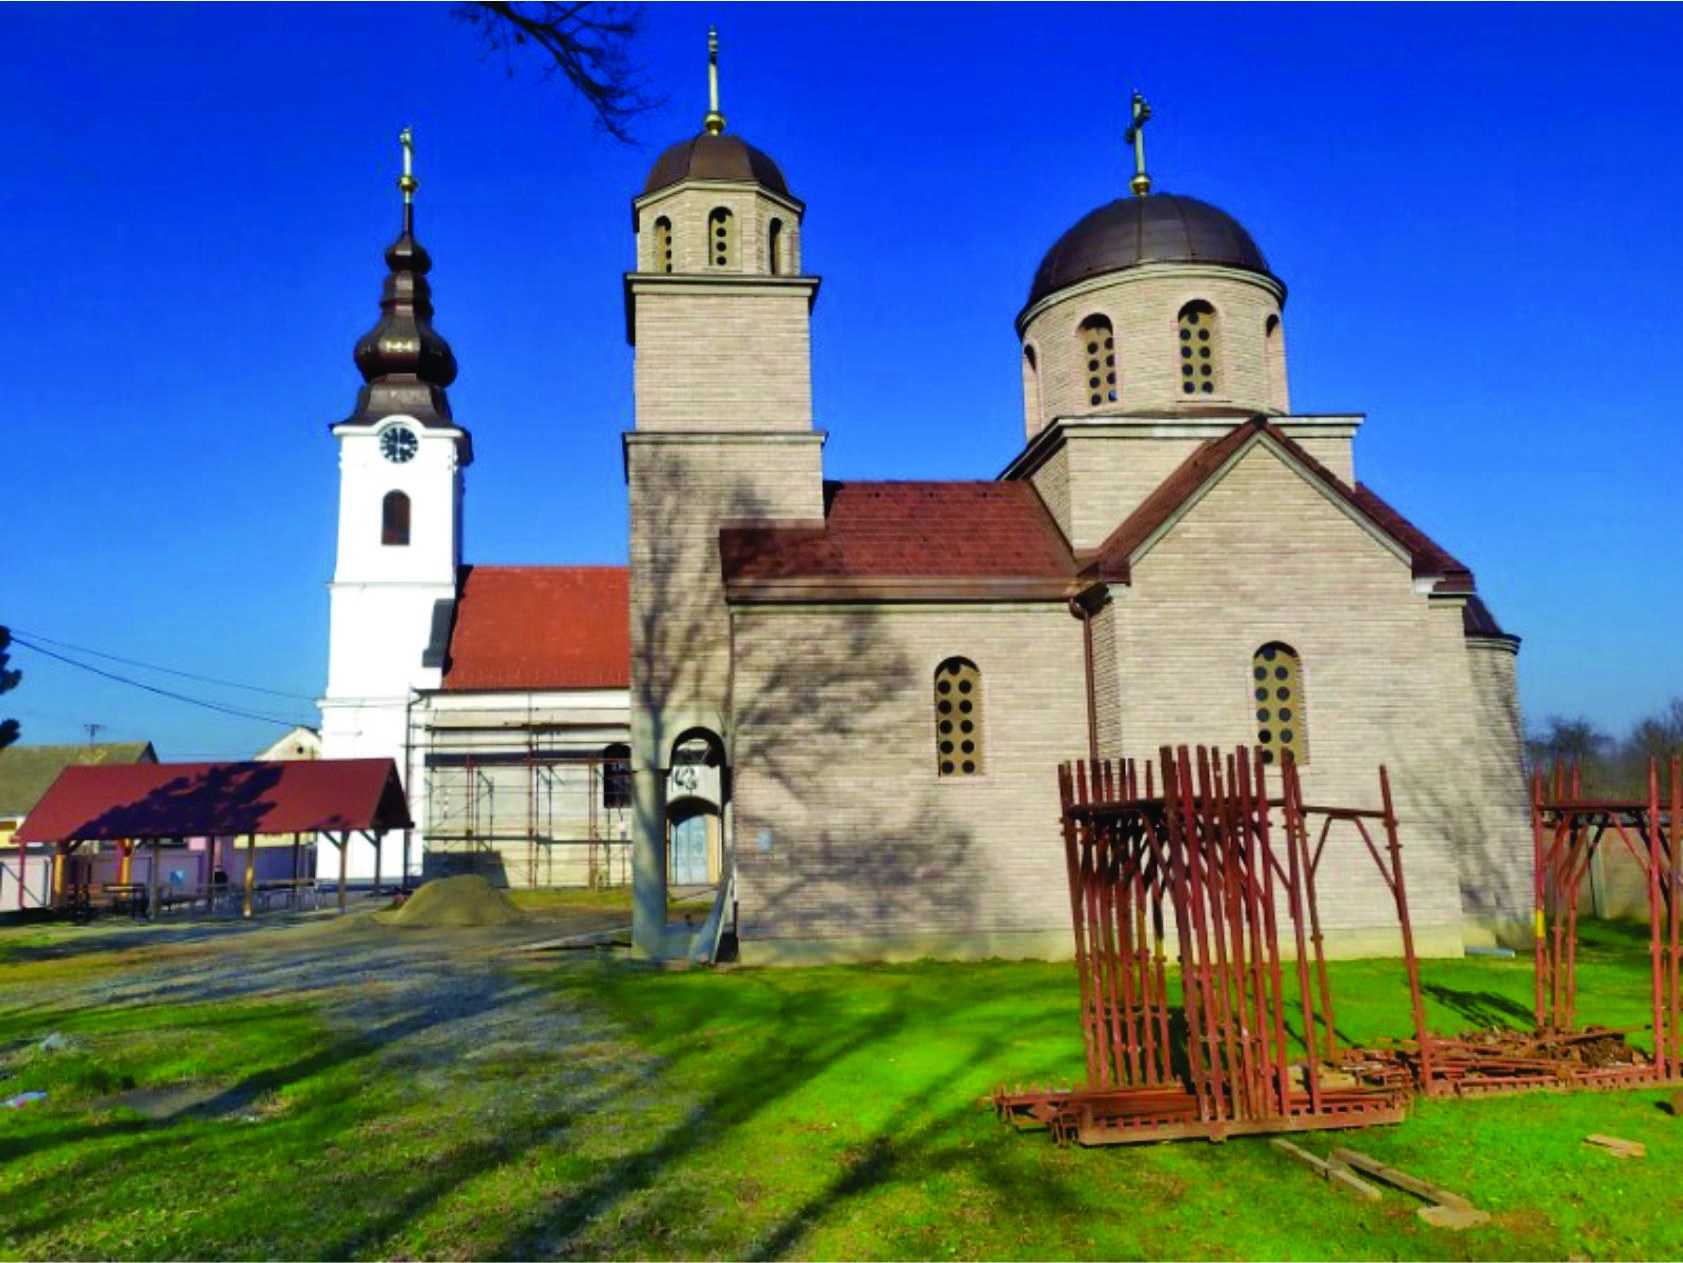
column 1573, row 741
column 8, row 681
column 587, row 44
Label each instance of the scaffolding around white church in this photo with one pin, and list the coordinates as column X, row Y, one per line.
column 525, row 807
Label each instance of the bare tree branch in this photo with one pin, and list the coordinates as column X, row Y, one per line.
column 588, row 44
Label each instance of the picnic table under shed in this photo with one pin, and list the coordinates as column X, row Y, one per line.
column 141, row 804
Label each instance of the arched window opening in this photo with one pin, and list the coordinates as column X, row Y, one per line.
column 774, row 248
column 663, row 244
column 1274, row 356
column 1098, row 350
column 958, row 719
column 394, row 519
column 721, row 236
column 1282, row 727
column 1031, row 384
column 1198, row 349
column 616, row 777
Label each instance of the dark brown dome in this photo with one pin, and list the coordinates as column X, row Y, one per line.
column 405, row 362
column 1159, row 228
column 710, row 157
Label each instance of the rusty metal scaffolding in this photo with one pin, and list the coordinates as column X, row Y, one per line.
column 1567, row 830
column 1230, row 872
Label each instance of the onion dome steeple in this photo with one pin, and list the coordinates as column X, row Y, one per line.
column 405, row 362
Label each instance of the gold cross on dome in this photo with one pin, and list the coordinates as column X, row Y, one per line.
column 714, row 122
column 1139, row 116
column 407, row 181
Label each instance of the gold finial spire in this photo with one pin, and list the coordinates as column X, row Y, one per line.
column 715, row 121
column 407, row 181
column 1138, row 117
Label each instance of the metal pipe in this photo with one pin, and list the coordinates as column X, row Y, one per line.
column 1078, row 608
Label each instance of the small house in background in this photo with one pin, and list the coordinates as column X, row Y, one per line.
column 299, row 743
column 25, row 774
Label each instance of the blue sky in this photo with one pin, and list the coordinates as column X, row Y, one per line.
column 1474, row 209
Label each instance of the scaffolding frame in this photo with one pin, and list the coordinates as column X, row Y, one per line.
column 559, row 824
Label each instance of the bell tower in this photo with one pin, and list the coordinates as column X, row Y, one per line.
column 719, row 312
column 401, row 457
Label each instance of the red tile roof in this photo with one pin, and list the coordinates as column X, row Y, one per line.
column 541, row 627
column 1111, row 560
column 918, row 538
column 177, row 800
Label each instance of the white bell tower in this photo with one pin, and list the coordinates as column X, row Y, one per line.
column 401, row 458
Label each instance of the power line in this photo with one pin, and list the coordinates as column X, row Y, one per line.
column 151, row 666
column 177, row 697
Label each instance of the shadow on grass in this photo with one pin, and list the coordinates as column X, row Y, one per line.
column 1484, row 1009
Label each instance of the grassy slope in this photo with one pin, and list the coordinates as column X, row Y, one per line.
column 811, row 1113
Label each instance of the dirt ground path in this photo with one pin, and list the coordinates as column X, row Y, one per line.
column 431, row 1000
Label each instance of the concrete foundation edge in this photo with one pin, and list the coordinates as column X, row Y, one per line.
column 1054, row 945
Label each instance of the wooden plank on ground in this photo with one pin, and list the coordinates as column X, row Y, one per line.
column 1617, row 1147
column 1335, row 1173
column 1401, row 1179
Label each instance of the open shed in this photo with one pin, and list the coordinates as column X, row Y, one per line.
column 141, row 804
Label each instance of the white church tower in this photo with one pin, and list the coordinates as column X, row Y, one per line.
column 401, row 458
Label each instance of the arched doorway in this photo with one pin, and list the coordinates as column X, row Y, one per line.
column 696, row 796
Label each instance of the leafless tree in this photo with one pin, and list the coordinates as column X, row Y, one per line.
column 8, row 681
column 587, row 44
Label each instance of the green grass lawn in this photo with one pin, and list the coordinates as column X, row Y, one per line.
column 815, row 1113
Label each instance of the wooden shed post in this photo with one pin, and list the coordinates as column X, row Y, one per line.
column 344, row 863
column 250, row 872
column 295, row 900
column 58, row 857
column 152, row 884
column 378, row 839
column 23, row 871
column 125, row 864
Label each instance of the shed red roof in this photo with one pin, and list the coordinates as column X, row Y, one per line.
column 541, row 627
column 174, row 800
column 973, row 538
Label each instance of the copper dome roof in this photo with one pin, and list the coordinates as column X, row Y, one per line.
column 1160, row 228
column 710, row 157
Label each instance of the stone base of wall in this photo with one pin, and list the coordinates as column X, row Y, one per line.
column 1433, row 940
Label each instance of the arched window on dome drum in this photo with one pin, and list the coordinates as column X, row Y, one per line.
column 1031, row 384
column 774, row 247
column 1282, row 719
column 1199, row 349
column 721, row 237
column 663, row 244
column 394, row 519
column 958, row 718
column 1098, row 356
column 1274, row 357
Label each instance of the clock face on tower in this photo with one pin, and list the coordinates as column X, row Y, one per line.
column 398, row 444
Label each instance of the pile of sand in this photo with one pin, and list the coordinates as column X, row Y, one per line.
column 453, row 903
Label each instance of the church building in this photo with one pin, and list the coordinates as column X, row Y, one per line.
column 841, row 705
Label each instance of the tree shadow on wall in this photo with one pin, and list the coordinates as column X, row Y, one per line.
column 804, row 693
